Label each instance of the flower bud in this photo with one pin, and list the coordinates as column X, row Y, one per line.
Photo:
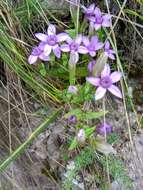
column 81, row 137
column 72, row 89
column 91, row 65
column 72, row 119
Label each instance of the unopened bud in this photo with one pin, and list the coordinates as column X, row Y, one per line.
column 72, row 119
column 81, row 137
column 72, row 89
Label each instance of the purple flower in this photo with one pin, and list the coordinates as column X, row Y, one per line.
column 109, row 52
column 51, row 40
column 91, row 65
column 93, row 45
column 74, row 46
column 72, row 119
column 99, row 21
column 104, row 129
column 37, row 52
column 89, row 12
column 106, row 82
column 72, row 89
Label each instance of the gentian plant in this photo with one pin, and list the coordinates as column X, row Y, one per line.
column 83, row 50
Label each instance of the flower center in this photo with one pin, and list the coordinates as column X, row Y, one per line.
column 52, row 40
column 74, row 46
column 99, row 20
column 105, row 82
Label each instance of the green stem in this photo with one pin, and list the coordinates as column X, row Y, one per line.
column 72, row 73
column 23, row 146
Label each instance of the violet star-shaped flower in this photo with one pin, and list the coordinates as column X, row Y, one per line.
column 52, row 40
column 74, row 46
column 93, row 45
column 37, row 52
column 104, row 129
column 99, row 21
column 109, row 52
column 89, row 11
column 106, row 82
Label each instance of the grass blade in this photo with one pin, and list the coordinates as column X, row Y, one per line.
column 23, row 146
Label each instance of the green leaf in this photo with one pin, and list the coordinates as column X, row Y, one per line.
column 131, row 12
column 71, row 32
column 74, row 144
column 89, row 131
column 64, row 59
column 42, row 69
column 77, row 112
column 94, row 115
column 74, row 10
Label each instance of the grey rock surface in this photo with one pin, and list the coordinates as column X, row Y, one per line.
column 56, row 4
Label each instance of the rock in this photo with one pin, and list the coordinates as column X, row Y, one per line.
column 133, row 161
column 117, row 185
column 56, row 6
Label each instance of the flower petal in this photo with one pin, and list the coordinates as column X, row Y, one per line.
column 93, row 80
column 107, row 45
column 106, row 71
column 92, row 53
column 36, row 51
column 94, row 39
column 100, row 92
column 78, row 39
column 98, row 45
column 42, row 45
column 41, row 36
column 82, row 50
column 97, row 26
column 85, row 40
column 32, row 59
column 51, row 29
column 112, row 51
column 106, row 21
column 91, row 8
column 65, row 48
column 62, row 37
column 91, row 65
column 47, row 49
column 97, row 12
column 115, row 76
column 111, row 56
column 69, row 40
column 57, row 51
column 44, row 57
column 115, row 90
